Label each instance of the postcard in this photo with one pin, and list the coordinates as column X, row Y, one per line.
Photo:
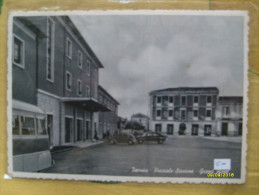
column 144, row 96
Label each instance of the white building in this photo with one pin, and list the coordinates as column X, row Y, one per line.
column 229, row 116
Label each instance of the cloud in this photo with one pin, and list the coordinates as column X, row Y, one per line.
column 144, row 53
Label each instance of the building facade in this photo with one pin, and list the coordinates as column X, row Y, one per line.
column 55, row 70
column 184, row 110
column 229, row 116
column 142, row 119
column 107, row 120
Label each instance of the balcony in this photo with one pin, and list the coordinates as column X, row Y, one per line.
column 90, row 104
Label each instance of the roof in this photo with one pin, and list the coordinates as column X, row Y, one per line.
column 139, row 115
column 183, row 89
column 74, row 29
column 229, row 99
column 106, row 93
column 19, row 105
column 32, row 27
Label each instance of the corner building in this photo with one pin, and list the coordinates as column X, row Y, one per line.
column 55, row 70
column 191, row 109
column 108, row 121
column 229, row 116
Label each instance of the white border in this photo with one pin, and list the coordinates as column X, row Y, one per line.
column 129, row 178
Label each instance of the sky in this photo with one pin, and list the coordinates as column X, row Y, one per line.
column 141, row 53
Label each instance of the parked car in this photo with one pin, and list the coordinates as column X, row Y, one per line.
column 151, row 136
column 123, row 138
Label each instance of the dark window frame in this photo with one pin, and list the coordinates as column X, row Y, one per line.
column 20, row 53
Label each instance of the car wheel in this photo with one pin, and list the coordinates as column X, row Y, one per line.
column 112, row 142
column 159, row 141
column 130, row 142
column 140, row 141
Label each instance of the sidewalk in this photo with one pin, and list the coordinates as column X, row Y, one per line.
column 237, row 139
column 80, row 145
column 88, row 143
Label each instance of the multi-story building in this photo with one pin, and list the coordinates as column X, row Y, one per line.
column 55, row 71
column 184, row 110
column 107, row 120
column 229, row 115
column 142, row 119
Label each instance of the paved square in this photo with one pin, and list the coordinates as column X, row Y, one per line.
column 179, row 156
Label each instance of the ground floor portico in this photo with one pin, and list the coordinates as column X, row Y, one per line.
column 70, row 120
column 228, row 127
column 195, row 128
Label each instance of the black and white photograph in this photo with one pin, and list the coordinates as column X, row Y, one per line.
column 145, row 96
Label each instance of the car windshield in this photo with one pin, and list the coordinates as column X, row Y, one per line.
column 159, row 134
column 130, row 135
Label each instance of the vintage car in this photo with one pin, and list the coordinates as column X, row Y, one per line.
column 123, row 138
column 151, row 136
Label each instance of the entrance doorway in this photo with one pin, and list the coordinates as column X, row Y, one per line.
column 170, row 129
column 195, row 129
column 224, row 129
column 50, row 128
column 79, row 129
column 68, row 129
column 207, row 130
column 158, row 128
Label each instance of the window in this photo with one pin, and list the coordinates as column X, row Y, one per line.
column 208, row 113
column 183, row 114
column 50, row 50
column 195, row 113
column 170, row 113
column 208, row 99
column 27, row 125
column 158, row 99
column 69, row 48
column 158, row 113
column 18, row 52
column 79, row 87
column 41, row 127
column 80, row 59
column 88, row 67
column 171, row 99
column 196, row 99
column 183, row 99
column 87, row 91
column 226, row 110
column 68, row 81
column 165, row 100
column 15, row 125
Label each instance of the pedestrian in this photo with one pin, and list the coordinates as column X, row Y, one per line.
column 95, row 135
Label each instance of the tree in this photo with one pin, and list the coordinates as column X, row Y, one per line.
column 134, row 125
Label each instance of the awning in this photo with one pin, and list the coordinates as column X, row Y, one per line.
column 90, row 104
